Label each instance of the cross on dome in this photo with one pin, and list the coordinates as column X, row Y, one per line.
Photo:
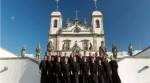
column 95, row 4
column 57, row 4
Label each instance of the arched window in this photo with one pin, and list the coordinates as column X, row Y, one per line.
column 66, row 45
column 97, row 24
column 85, row 44
column 55, row 23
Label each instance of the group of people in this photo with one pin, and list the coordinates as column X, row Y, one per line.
column 78, row 69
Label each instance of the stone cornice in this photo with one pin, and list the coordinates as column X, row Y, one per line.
column 77, row 35
column 97, row 16
column 56, row 16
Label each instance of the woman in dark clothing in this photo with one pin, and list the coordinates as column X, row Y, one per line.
column 75, row 69
column 85, row 69
column 79, row 60
column 114, row 67
column 50, row 70
column 70, row 59
column 65, row 69
column 93, row 71
column 57, row 71
column 43, row 70
column 108, row 71
column 100, row 72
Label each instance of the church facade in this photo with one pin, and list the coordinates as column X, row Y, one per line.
column 75, row 36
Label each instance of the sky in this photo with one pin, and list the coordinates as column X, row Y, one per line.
column 26, row 22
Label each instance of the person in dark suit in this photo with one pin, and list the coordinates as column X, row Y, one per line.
column 50, row 70
column 65, row 69
column 43, row 70
column 108, row 71
column 100, row 72
column 93, row 71
column 114, row 67
column 57, row 71
column 75, row 70
column 85, row 69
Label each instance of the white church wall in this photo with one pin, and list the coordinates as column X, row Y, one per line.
column 19, row 71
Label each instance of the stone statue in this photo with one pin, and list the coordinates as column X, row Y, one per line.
column 130, row 49
column 102, row 50
column 63, row 48
column 75, row 48
column 76, row 29
column 90, row 48
column 23, row 51
column 50, row 46
column 38, row 52
column 67, row 23
column 114, row 51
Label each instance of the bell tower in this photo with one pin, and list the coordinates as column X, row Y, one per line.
column 97, row 26
column 97, row 22
column 55, row 28
column 56, row 22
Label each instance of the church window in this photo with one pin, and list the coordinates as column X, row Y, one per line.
column 66, row 45
column 55, row 23
column 97, row 24
column 85, row 44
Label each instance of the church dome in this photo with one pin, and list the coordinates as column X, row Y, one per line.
column 96, row 13
column 55, row 13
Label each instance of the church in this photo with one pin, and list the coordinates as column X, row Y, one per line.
column 76, row 35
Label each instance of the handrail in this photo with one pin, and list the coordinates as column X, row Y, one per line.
column 18, row 58
column 142, row 51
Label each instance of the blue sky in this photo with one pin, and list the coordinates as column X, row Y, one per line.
column 26, row 22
